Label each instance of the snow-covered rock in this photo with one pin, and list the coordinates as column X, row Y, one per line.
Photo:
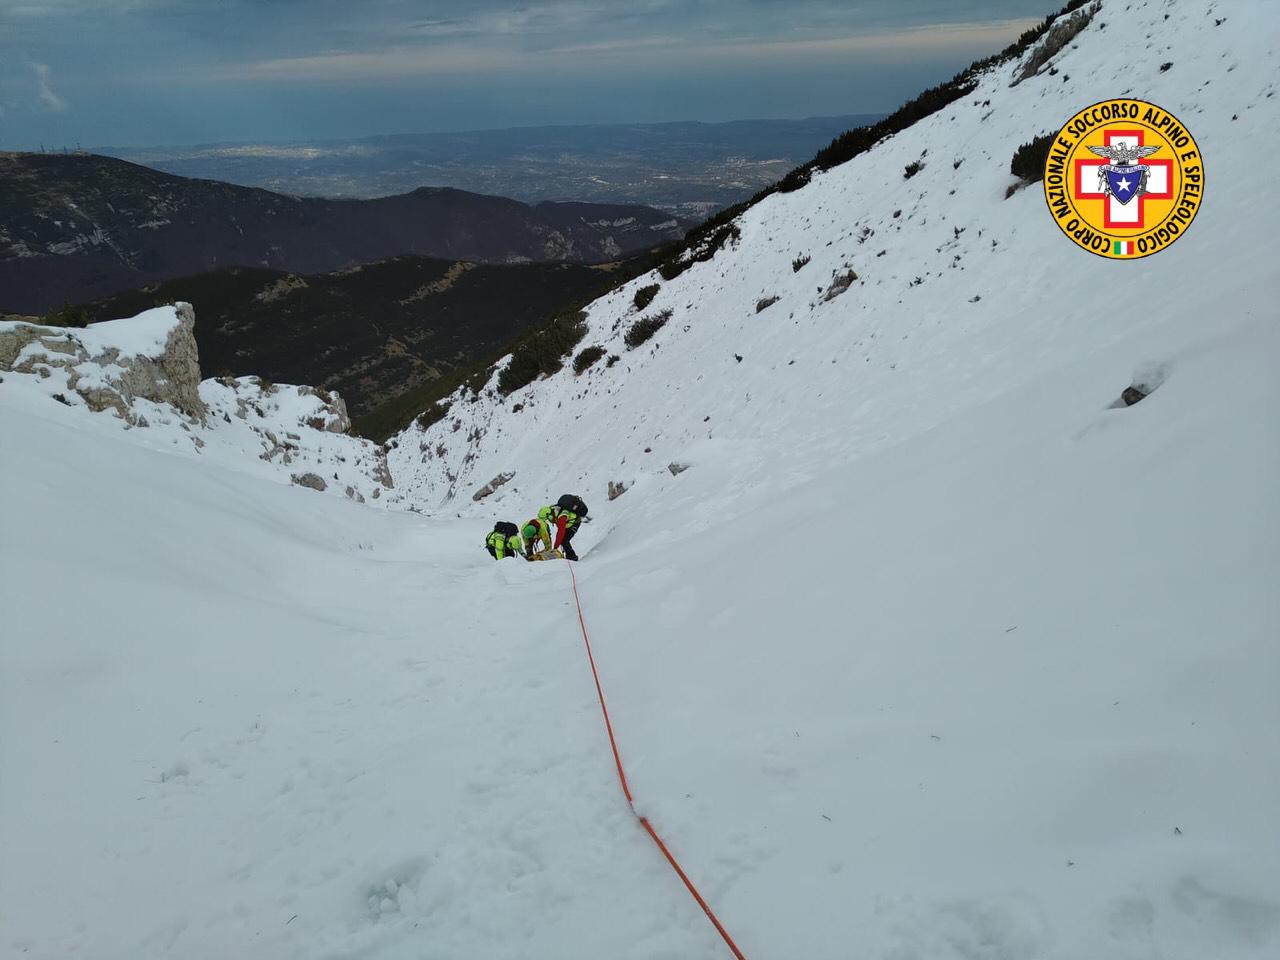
column 146, row 371
column 109, row 365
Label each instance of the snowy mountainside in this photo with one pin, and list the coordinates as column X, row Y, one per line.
column 961, row 294
column 934, row 652
column 1004, row 691
column 140, row 376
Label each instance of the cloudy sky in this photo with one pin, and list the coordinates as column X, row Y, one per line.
column 149, row 72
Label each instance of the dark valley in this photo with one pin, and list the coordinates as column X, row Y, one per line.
column 78, row 227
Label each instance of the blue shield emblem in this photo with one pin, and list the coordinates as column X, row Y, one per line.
column 1124, row 181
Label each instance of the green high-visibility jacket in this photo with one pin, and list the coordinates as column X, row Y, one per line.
column 549, row 515
column 543, row 534
column 500, row 545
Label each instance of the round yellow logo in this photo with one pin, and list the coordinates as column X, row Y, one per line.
column 1124, row 179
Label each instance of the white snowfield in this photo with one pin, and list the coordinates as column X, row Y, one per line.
column 930, row 653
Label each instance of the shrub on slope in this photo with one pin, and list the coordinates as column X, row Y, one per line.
column 586, row 358
column 542, row 351
column 1028, row 159
column 645, row 328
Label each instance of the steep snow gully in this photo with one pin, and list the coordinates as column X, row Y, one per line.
column 933, row 651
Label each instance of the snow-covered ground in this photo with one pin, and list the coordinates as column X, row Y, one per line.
column 930, row 653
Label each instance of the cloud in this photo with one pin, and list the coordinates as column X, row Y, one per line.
column 45, row 93
column 667, row 51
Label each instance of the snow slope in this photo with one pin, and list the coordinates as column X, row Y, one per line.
column 930, row 653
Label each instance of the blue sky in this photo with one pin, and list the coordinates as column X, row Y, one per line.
column 149, row 72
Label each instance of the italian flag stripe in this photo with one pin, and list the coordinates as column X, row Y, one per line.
column 1121, row 248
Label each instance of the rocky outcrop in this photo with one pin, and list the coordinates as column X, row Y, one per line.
column 488, row 489
column 145, row 370
column 312, row 480
column 156, row 360
column 334, row 418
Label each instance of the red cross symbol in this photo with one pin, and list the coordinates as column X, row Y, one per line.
column 1129, row 215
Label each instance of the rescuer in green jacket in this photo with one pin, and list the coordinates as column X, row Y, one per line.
column 504, row 541
column 536, row 531
column 566, row 515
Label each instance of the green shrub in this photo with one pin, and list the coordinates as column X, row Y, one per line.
column 798, row 263
column 644, row 296
column 68, row 316
column 645, row 328
column 702, row 243
column 586, row 358
column 673, row 268
column 541, row 352
column 912, row 169
column 433, row 414
column 1029, row 159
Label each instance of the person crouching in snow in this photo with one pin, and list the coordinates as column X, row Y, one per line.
column 536, row 531
column 504, row 541
column 566, row 515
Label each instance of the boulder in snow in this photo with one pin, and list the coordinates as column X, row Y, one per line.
column 312, row 480
column 488, row 489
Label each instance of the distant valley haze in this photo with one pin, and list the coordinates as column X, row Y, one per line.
column 137, row 73
column 688, row 169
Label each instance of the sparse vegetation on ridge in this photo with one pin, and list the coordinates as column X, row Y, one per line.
column 644, row 328
column 712, row 234
column 703, row 242
column 1029, row 159
column 68, row 316
column 644, row 296
column 586, row 358
column 542, row 351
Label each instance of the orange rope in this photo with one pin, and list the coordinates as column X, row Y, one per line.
column 626, row 788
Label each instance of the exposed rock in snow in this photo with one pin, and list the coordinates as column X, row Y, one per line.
column 146, row 371
column 110, row 365
column 312, row 480
column 842, row 282
column 488, row 489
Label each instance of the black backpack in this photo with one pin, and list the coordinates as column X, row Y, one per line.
column 506, row 528
column 572, row 503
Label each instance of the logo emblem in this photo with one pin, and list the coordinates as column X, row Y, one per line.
column 1124, row 179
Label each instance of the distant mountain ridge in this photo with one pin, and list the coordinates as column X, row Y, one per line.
column 78, row 227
